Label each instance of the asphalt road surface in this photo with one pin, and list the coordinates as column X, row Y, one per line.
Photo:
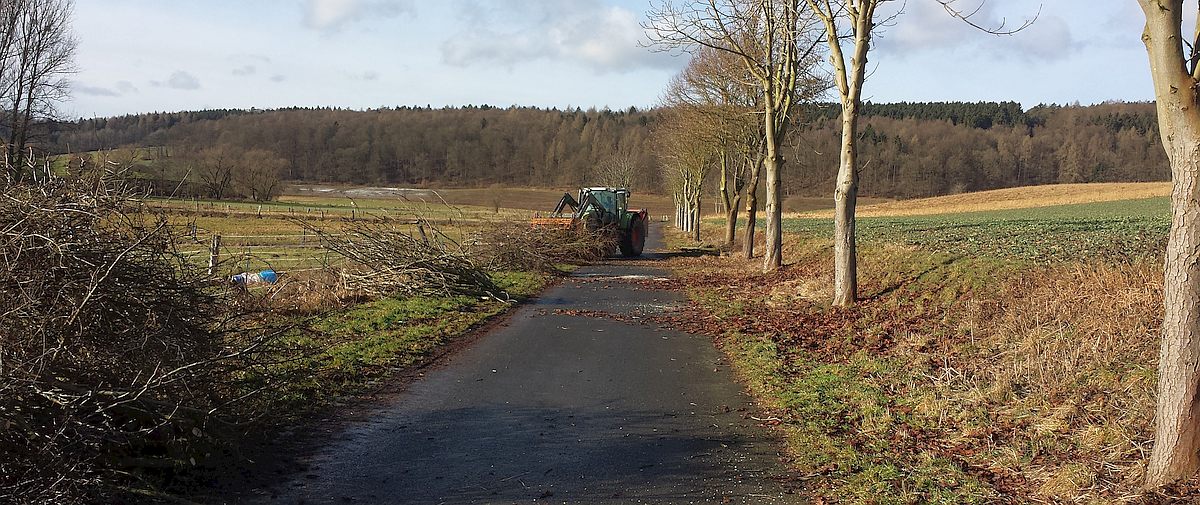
column 556, row 407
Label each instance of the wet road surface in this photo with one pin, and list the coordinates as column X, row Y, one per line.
column 561, row 408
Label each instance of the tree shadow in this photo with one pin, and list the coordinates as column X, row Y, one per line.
column 895, row 286
column 504, row 454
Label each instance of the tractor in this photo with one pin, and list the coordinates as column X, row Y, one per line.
column 602, row 210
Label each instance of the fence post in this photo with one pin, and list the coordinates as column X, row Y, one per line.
column 214, row 255
column 424, row 238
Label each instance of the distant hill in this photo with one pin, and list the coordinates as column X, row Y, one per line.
column 908, row 149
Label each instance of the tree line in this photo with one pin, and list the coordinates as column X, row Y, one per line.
column 460, row 146
column 908, row 149
column 931, row 150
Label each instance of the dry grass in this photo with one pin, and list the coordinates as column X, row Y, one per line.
column 812, row 203
column 1012, row 382
column 1013, row 198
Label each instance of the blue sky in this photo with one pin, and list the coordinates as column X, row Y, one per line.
column 154, row 55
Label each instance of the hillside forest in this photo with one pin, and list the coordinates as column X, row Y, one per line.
column 909, row 149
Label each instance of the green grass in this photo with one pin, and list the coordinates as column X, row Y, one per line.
column 841, row 420
column 349, row 349
column 1128, row 229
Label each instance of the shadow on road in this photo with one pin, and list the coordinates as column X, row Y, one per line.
column 596, row 454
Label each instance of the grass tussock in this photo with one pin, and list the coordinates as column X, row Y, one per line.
column 958, row 379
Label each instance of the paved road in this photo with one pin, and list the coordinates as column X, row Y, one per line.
column 559, row 408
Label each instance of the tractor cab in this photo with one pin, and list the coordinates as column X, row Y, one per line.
column 600, row 207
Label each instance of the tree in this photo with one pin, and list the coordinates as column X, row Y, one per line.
column 853, row 22
column 260, row 174
column 618, row 170
column 1175, row 68
column 36, row 56
column 214, row 168
column 776, row 41
column 685, row 157
column 720, row 99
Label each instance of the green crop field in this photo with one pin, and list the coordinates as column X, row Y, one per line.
column 1123, row 229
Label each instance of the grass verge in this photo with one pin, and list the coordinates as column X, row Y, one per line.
column 352, row 348
column 993, row 369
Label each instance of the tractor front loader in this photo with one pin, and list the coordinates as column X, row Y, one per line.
column 602, row 210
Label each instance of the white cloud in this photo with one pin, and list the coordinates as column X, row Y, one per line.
column 1048, row 39
column 927, row 27
column 605, row 38
column 120, row 89
column 334, row 14
column 245, row 70
column 183, row 80
column 94, row 90
column 179, row 80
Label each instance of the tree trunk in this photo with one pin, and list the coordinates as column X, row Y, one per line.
column 696, row 218
column 751, row 210
column 773, row 253
column 845, row 196
column 730, row 201
column 1176, row 453
column 731, row 219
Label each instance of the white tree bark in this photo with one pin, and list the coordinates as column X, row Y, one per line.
column 859, row 17
column 1176, row 453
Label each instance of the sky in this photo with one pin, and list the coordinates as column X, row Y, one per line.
column 153, row 55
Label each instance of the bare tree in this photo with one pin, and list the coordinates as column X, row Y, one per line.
column 1175, row 66
column 686, row 158
column 214, row 167
column 259, row 176
column 618, row 170
column 776, row 40
column 37, row 52
column 849, row 28
column 719, row 100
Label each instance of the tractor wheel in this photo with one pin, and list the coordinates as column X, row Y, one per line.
column 635, row 240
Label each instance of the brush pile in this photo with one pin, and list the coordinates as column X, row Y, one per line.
column 390, row 257
column 115, row 351
column 99, row 329
column 518, row 246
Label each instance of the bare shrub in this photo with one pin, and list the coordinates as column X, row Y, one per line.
column 519, row 246
column 115, row 351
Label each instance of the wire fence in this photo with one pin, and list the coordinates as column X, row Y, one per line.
column 232, row 254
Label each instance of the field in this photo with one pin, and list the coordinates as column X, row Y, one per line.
column 1013, row 198
column 1115, row 229
column 491, row 198
column 1005, row 354
column 279, row 235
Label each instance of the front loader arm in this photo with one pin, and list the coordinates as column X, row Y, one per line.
column 566, row 201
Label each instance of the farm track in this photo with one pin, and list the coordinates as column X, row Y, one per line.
column 560, row 405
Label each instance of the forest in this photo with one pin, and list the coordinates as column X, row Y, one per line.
column 908, row 149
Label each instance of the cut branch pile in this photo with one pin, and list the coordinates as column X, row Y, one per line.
column 392, row 257
column 519, row 246
column 113, row 351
